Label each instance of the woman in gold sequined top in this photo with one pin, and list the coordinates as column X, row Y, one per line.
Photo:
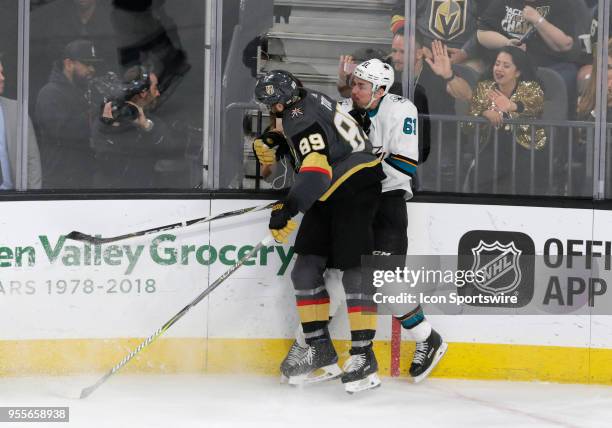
column 508, row 90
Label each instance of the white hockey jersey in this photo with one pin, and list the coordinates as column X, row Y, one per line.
column 394, row 135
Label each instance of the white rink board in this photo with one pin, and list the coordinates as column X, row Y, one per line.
column 256, row 301
column 437, row 229
column 107, row 312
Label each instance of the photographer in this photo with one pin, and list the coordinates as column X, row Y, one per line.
column 128, row 140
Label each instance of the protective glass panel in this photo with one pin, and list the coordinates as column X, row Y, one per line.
column 500, row 78
column 319, row 42
column 117, row 93
column 606, row 90
column 11, row 167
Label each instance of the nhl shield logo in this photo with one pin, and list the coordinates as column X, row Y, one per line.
column 505, row 262
column 270, row 89
column 448, row 18
column 500, row 265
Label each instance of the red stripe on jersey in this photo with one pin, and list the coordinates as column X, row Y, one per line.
column 315, row 169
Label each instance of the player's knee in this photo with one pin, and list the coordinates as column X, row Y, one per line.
column 352, row 281
column 308, row 272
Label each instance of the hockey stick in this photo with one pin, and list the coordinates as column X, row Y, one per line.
column 87, row 391
column 83, row 237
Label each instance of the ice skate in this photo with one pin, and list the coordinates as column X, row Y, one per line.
column 291, row 360
column 360, row 371
column 318, row 363
column 426, row 356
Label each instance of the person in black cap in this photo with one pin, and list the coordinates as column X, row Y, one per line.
column 64, row 121
column 54, row 24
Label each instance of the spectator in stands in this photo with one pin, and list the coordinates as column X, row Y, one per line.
column 437, row 87
column 8, row 144
column 63, row 118
column 55, row 24
column 433, row 73
column 508, row 90
column 585, row 88
column 9, row 44
column 128, row 139
column 452, row 22
column 543, row 28
column 586, row 111
column 586, row 103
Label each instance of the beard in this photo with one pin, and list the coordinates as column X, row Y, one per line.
column 81, row 82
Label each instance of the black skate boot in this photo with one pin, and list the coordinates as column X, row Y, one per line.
column 319, row 362
column 360, row 371
column 291, row 360
column 426, row 356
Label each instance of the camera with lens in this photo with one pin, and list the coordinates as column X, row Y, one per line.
column 110, row 88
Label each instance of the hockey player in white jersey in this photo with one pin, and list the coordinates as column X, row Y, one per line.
column 391, row 124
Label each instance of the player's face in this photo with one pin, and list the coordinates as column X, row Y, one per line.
column 1, row 79
column 277, row 108
column 361, row 92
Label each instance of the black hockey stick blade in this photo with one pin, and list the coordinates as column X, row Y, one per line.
column 96, row 240
column 82, row 237
column 86, row 392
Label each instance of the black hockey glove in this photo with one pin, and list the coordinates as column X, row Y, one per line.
column 362, row 118
column 281, row 226
column 267, row 145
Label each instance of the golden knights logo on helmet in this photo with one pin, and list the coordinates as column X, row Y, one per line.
column 448, row 18
column 270, row 89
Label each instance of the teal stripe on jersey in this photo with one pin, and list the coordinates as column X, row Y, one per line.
column 402, row 166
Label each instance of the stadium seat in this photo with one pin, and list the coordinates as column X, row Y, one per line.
column 555, row 94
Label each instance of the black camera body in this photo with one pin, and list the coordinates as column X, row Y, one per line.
column 110, row 88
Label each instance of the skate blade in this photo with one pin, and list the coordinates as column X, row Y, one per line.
column 370, row 382
column 439, row 354
column 319, row 375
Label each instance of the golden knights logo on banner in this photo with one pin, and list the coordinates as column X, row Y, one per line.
column 448, row 18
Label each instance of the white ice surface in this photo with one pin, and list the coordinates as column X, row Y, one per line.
column 218, row 401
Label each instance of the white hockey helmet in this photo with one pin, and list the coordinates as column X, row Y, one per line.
column 377, row 73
